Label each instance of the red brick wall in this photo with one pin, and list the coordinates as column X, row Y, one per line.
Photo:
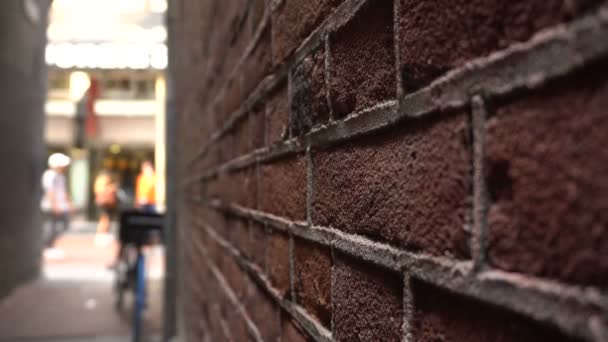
column 393, row 170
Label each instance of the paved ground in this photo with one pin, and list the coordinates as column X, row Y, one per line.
column 73, row 299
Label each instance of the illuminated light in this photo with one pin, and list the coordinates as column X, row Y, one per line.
column 115, row 149
column 107, row 56
column 79, row 84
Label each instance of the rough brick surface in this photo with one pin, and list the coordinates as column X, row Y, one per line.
column 367, row 302
column 277, row 261
column 258, row 245
column 362, row 69
column 438, row 35
column 309, row 94
column 312, row 265
column 293, row 21
column 277, row 115
column 441, row 316
column 264, row 312
column 408, row 186
column 548, row 178
column 283, row 188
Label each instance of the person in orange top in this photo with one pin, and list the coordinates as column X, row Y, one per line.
column 145, row 188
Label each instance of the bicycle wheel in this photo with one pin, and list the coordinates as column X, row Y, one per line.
column 140, row 297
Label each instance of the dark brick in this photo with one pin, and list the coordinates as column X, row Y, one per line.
column 408, row 186
column 277, row 115
column 264, row 312
column 548, row 178
column 243, row 187
column 367, row 302
column 362, row 63
column 283, row 188
column 257, row 251
column 442, row 316
column 312, row 264
column 233, row 274
column 277, row 261
column 238, row 233
column 292, row 332
column 309, row 94
column 438, row 35
column 295, row 20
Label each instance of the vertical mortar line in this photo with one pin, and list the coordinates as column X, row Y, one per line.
column 309, row 185
column 408, row 308
column 292, row 272
column 480, row 206
column 289, row 97
column 327, row 63
column 398, row 77
column 332, row 327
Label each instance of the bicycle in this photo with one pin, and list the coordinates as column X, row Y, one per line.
column 137, row 229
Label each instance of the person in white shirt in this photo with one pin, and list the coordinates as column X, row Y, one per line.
column 56, row 204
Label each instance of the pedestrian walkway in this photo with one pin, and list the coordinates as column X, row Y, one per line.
column 73, row 299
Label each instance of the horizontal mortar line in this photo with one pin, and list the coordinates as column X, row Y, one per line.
column 532, row 297
column 364, row 122
column 264, row 22
column 338, row 18
column 229, row 292
column 316, row 330
column 549, row 54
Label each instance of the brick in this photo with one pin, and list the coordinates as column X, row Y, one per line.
column 292, row 332
column 440, row 315
column 277, row 115
column 309, row 94
column 264, row 312
column 312, row 269
column 408, row 186
column 548, row 179
column 243, row 187
column 283, row 188
column 277, row 261
column 362, row 63
column 257, row 251
column 238, row 233
column 438, row 35
column 233, row 274
column 367, row 302
column 295, row 20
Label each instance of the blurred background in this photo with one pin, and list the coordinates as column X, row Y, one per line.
column 102, row 75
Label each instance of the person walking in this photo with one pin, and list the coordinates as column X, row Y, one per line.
column 145, row 188
column 56, row 204
column 105, row 189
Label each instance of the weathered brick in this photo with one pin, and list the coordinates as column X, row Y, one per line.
column 283, row 188
column 277, row 261
column 440, row 315
column 362, row 63
column 277, row 115
column 367, row 302
column 257, row 251
column 312, row 269
column 309, row 94
column 547, row 166
column 238, row 233
column 408, row 186
column 237, row 325
column 256, row 8
column 438, row 35
column 242, row 188
column 295, row 20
